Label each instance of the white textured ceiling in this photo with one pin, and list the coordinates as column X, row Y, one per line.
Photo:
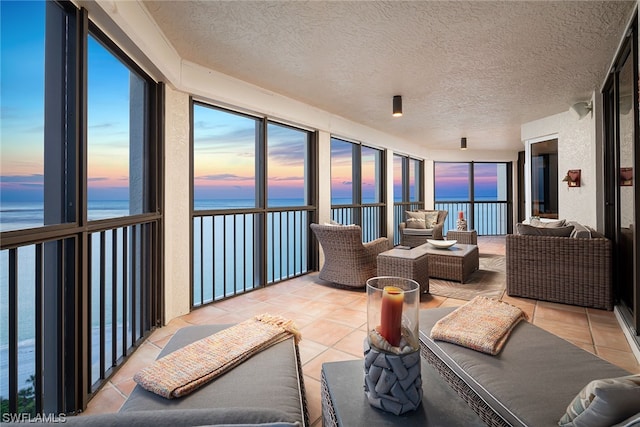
column 477, row 69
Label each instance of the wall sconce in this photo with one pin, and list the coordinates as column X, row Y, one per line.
column 572, row 178
column 463, row 143
column 581, row 109
column 397, row 106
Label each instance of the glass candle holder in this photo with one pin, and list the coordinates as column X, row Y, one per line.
column 393, row 305
column 392, row 370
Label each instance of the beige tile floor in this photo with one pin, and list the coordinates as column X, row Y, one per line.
column 333, row 326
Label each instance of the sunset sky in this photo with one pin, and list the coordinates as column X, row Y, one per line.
column 224, row 146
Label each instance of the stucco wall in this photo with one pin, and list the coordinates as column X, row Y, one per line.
column 577, row 149
column 176, row 216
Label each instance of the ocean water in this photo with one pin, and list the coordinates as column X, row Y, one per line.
column 27, row 215
column 14, row 216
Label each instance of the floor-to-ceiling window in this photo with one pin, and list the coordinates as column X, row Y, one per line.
column 79, row 209
column 622, row 194
column 357, row 187
column 408, row 191
column 253, row 197
column 482, row 191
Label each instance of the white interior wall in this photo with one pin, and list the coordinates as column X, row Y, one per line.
column 177, row 204
column 578, row 148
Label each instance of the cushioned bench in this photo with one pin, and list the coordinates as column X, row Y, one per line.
column 530, row 383
column 267, row 389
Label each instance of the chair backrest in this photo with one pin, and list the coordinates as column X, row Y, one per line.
column 338, row 236
column 442, row 215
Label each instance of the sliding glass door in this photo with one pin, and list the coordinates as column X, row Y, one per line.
column 622, row 158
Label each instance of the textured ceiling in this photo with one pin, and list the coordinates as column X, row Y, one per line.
column 477, row 69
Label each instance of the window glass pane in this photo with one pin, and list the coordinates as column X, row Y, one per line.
column 489, row 181
column 397, row 178
column 451, row 181
column 371, row 175
column 22, row 115
column 224, row 159
column 287, row 157
column 341, row 172
column 116, row 136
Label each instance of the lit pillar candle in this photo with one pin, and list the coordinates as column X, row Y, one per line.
column 391, row 318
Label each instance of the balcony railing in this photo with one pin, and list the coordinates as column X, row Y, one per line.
column 58, row 329
column 487, row 218
column 368, row 216
column 238, row 251
column 122, row 273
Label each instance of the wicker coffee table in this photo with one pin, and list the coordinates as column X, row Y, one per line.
column 454, row 263
column 344, row 402
column 407, row 263
column 469, row 237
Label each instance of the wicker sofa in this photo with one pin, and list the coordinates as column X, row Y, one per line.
column 348, row 262
column 568, row 270
column 413, row 237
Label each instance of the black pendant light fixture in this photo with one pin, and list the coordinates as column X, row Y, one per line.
column 463, row 143
column 397, row 106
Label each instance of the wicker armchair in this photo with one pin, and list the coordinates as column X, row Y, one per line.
column 415, row 237
column 347, row 261
column 566, row 270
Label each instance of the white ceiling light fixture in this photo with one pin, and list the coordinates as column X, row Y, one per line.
column 581, row 109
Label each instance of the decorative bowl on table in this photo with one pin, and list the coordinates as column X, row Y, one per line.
column 441, row 244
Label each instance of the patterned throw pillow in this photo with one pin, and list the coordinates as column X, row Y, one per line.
column 604, row 402
column 430, row 218
column 415, row 220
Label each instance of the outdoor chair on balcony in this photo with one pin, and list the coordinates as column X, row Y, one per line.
column 347, row 261
column 422, row 225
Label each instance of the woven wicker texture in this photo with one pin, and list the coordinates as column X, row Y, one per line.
column 560, row 269
column 416, row 269
column 479, row 406
column 469, row 237
column 445, row 266
column 348, row 261
column 329, row 418
column 392, row 382
column 413, row 240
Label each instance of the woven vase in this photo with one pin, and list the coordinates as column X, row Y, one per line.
column 392, row 382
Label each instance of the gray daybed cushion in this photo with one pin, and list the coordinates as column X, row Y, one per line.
column 532, row 381
column 269, row 379
column 237, row 417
